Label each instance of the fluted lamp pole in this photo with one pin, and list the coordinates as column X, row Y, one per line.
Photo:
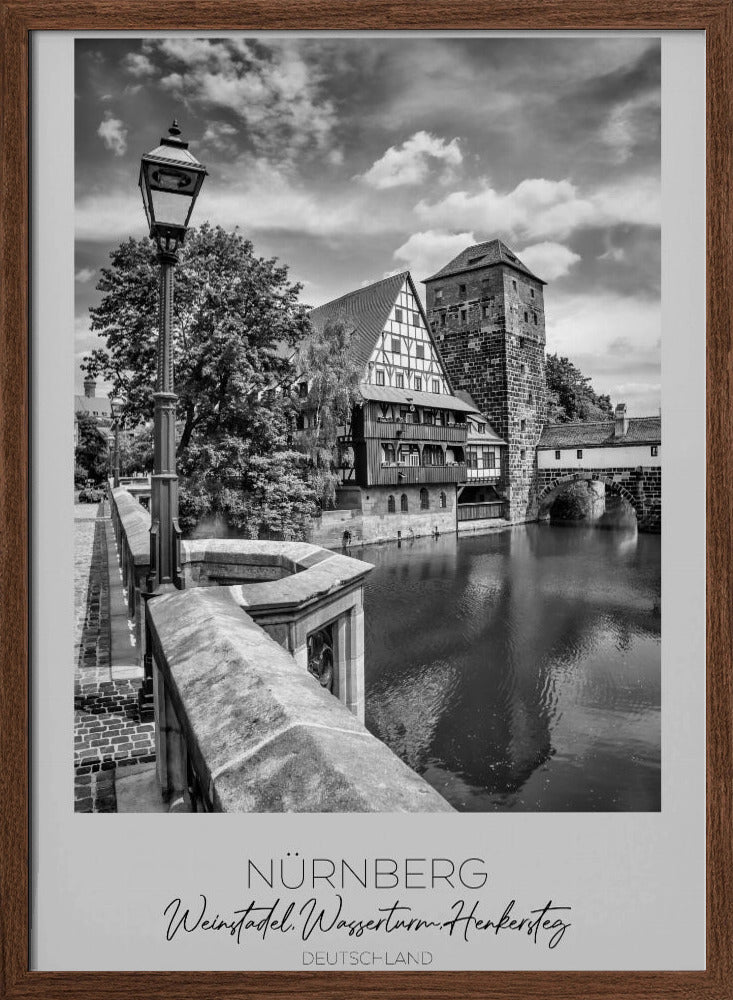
column 170, row 180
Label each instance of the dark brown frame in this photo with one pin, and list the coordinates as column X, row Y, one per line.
column 19, row 18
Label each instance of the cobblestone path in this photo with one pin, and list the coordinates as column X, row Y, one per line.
column 108, row 732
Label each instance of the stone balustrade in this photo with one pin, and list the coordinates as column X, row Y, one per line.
column 246, row 729
column 131, row 523
column 242, row 723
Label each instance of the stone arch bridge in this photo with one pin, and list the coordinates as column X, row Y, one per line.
column 640, row 486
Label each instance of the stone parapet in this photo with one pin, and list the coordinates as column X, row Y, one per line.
column 248, row 730
column 131, row 523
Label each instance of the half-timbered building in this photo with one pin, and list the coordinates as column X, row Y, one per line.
column 404, row 452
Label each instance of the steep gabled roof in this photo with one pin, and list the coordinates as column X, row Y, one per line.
column 642, row 430
column 365, row 310
column 483, row 255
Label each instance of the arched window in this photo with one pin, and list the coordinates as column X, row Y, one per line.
column 390, row 504
column 443, row 501
column 424, row 499
column 403, row 503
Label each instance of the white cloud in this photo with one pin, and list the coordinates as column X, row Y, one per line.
column 548, row 260
column 113, row 134
column 219, row 135
column 272, row 89
column 410, row 163
column 109, row 217
column 84, row 275
column 138, row 64
column 251, row 194
column 627, row 124
column 612, row 338
column 425, row 253
column 539, row 208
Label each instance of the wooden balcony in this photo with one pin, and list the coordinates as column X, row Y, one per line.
column 481, row 511
column 410, row 475
column 393, row 430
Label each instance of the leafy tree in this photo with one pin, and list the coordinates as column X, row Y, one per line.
column 570, row 394
column 136, row 450
column 260, row 495
column 91, row 456
column 236, row 320
column 328, row 389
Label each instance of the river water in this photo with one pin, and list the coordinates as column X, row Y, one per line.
column 520, row 670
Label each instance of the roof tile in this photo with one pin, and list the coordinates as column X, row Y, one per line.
column 642, row 430
column 483, row 255
column 366, row 310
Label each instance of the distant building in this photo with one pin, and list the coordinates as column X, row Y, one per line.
column 625, row 442
column 407, row 440
column 487, row 314
column 92, row 405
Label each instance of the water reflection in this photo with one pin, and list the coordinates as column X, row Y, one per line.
column 520, row 670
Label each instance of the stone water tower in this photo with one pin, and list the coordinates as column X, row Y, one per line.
column 487, row 314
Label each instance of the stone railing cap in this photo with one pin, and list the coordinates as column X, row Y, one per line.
column 263, row 733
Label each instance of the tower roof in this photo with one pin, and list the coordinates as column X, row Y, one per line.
column 483, row 255
column 366, row 310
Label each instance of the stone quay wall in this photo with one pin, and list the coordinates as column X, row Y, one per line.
column 371, row 521
column 641, row 486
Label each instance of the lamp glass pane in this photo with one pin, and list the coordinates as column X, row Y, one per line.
column 171, row 209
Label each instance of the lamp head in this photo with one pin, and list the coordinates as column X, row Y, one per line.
column 170, row 181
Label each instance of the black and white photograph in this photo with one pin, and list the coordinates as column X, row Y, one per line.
column 367, row 424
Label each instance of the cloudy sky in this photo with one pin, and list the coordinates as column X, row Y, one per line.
column 353, row 158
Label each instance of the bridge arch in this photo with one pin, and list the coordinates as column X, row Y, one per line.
column 555, row 487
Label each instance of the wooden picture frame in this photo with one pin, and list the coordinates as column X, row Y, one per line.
column 19, row 19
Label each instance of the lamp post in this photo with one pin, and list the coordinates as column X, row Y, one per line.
column 116, row 405
column 170, row 180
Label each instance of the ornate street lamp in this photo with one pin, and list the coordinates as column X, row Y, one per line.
column 170, row 180
column 117, row 404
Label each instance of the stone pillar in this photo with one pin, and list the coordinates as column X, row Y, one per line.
column 170, row 748
column 349, row 650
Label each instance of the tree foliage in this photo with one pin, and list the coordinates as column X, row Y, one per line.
column 328, row 389
column 91, row 457
column 236, row 321
column 570, row 394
